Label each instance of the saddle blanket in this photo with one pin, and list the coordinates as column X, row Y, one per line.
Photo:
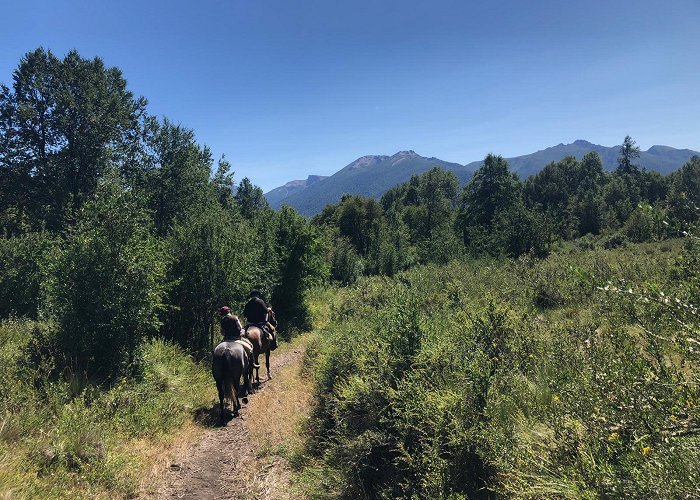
column 245, row 343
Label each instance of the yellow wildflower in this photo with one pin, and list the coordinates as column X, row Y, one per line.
column 613, row 437
column 646, row 450
column 555, row 398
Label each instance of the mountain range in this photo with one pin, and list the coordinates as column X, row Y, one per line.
column 373, row 175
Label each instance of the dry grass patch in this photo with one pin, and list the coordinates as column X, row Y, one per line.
column 158, row 455
column 275, row 418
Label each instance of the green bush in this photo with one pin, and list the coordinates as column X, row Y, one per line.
column 62, row 436
column 346, row 264
column 447, row 382
column 23, row 268
column 107, row 284
column 214, row 263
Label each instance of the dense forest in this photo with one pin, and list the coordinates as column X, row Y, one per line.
column 533, row 337
column 118, row 226
column 430, row 220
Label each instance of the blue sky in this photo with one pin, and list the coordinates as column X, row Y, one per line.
column 291, row 88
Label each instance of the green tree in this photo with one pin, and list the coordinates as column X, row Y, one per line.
column 518, row 231
column 645, row 224
column 223, row 184
column 493, row 189
column 302, row 265
column 684, row 193
column 214, row 263
column 438, row 192
column 106, row 286
column 346, row 264
column 588, row 205
column 24, row 260
column 62, row 124
column 629, row 151
column 179, row 178
column 250, row 199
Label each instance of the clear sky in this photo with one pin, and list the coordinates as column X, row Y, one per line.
column 297, row 87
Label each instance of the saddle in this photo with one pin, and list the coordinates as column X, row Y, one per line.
column 263, row 325
column 267, row 329
column 247, row 345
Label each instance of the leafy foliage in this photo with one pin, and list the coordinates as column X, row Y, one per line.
column 62, row 124
column 61, row 437
column 24, row 268
column 106, row 285
column 471, row 391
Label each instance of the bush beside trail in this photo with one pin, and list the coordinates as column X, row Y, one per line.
column 62, row 436
column 574, row 376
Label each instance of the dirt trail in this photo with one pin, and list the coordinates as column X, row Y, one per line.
column 238, row 460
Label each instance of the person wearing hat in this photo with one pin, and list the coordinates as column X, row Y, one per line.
column 257, row 313
column 232, row 331
column 231, row 327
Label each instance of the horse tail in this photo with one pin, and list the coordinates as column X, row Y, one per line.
column 230, row 390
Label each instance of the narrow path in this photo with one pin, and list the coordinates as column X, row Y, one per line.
column 242, row 459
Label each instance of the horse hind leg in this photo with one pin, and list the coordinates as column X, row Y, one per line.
column 267, row 364
column 257, row 370
column 236, row 401
column 248, row 376
column 220, row 389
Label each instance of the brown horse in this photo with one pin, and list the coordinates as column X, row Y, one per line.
column 261, row 344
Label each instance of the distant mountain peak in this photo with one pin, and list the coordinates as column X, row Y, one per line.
column 280, row 193
column 372, row 175
column 366, row 161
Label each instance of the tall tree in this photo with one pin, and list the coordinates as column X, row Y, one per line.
column 494, row 188
column 107, row 285
column 62, row 124
column 629, row 151
column 300, row 254
column 223, row 184
column 178, row 181
column 250, row 198
column 684, row 195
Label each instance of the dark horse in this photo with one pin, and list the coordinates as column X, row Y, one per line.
column 261, row 344
column 229, row 363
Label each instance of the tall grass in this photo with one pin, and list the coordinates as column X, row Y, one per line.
column 565, row 377
column 61, row 436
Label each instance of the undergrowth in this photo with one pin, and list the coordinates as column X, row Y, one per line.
column 62, row 436
column 575, row 376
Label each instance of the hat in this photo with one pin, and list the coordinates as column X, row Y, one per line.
column 224, row 310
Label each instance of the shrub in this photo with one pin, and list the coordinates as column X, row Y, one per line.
column 107, row 283
column 213, row 263
column 23, row 268
column 445, row 382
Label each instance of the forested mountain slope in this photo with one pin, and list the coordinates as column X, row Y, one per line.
column 369, row 176
column 373, row 175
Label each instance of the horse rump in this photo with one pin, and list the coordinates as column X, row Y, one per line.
column 228, row 364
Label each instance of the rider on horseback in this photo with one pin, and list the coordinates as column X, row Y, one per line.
column 231, row 327
column 259, row 314
column 232, row 331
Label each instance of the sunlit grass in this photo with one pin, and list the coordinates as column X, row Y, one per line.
column 61, row 437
